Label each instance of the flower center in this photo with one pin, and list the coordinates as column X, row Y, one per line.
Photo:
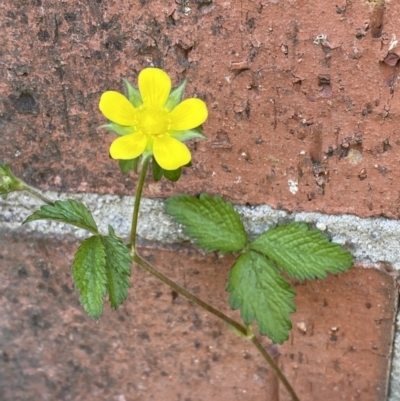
column 153, row 122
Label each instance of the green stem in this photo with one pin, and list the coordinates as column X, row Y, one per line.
column 136, row 206
column 36, row 193
column 274, row 367
column 180, row 290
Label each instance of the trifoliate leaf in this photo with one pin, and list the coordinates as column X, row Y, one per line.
column 173, row 175
column 302, row 253
column 175, row 97
column 116, row 128
column 68, row 211
column 117, row 259
column 157, row 170
column 261, row 293
column 133, row 94
column 183, row 136
column 128, row 165
column 89, row 275
column 212, row 223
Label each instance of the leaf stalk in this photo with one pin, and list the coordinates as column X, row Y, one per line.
column 36, row 193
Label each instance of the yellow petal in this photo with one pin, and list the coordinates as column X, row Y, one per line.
column 128, row 146
column 154, row 86
column 189, row 114
column 170, row 153
column 117, row 108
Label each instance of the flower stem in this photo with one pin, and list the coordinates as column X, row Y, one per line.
column 36, row 193
column 244, row 330
column 136, row 206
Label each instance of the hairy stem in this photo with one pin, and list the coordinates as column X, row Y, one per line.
column 136, row 206
column 36, row 193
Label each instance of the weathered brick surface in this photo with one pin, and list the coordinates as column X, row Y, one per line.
column 293, row 124
column 323, row 116
column 159, row 346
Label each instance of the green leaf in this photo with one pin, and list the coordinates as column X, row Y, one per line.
column 175, row 97
column 117, row 259
column 173, row 175
column 157, row 170
column 90, row 275
column 302, row 253
column 127, row 165
column 133, row 94
column 68, row 211
column 183, row 136
column 261, row 293
column 212, row 223
column 117, row 129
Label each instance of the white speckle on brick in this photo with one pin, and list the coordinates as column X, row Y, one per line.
column 293, row 186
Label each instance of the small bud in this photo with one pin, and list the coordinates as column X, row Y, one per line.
column 8, row 182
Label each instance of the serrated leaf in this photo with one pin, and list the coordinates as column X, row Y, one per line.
column 302, row 253
column 90, row 275
column 68, row 211
column 212, row 223
column 127, row 165
column 116, row 128
column 133, row 94
column 117, row 259
column 261, row 293
column 173, row 175
column 157, row 170
column 175, row 97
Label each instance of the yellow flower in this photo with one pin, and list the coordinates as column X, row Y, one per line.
column 153, row 121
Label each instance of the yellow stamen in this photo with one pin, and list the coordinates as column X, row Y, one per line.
column 153, row 122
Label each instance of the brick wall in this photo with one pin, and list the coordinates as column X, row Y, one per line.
column 303, row 117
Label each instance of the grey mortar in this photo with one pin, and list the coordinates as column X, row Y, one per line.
column 370, row 240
